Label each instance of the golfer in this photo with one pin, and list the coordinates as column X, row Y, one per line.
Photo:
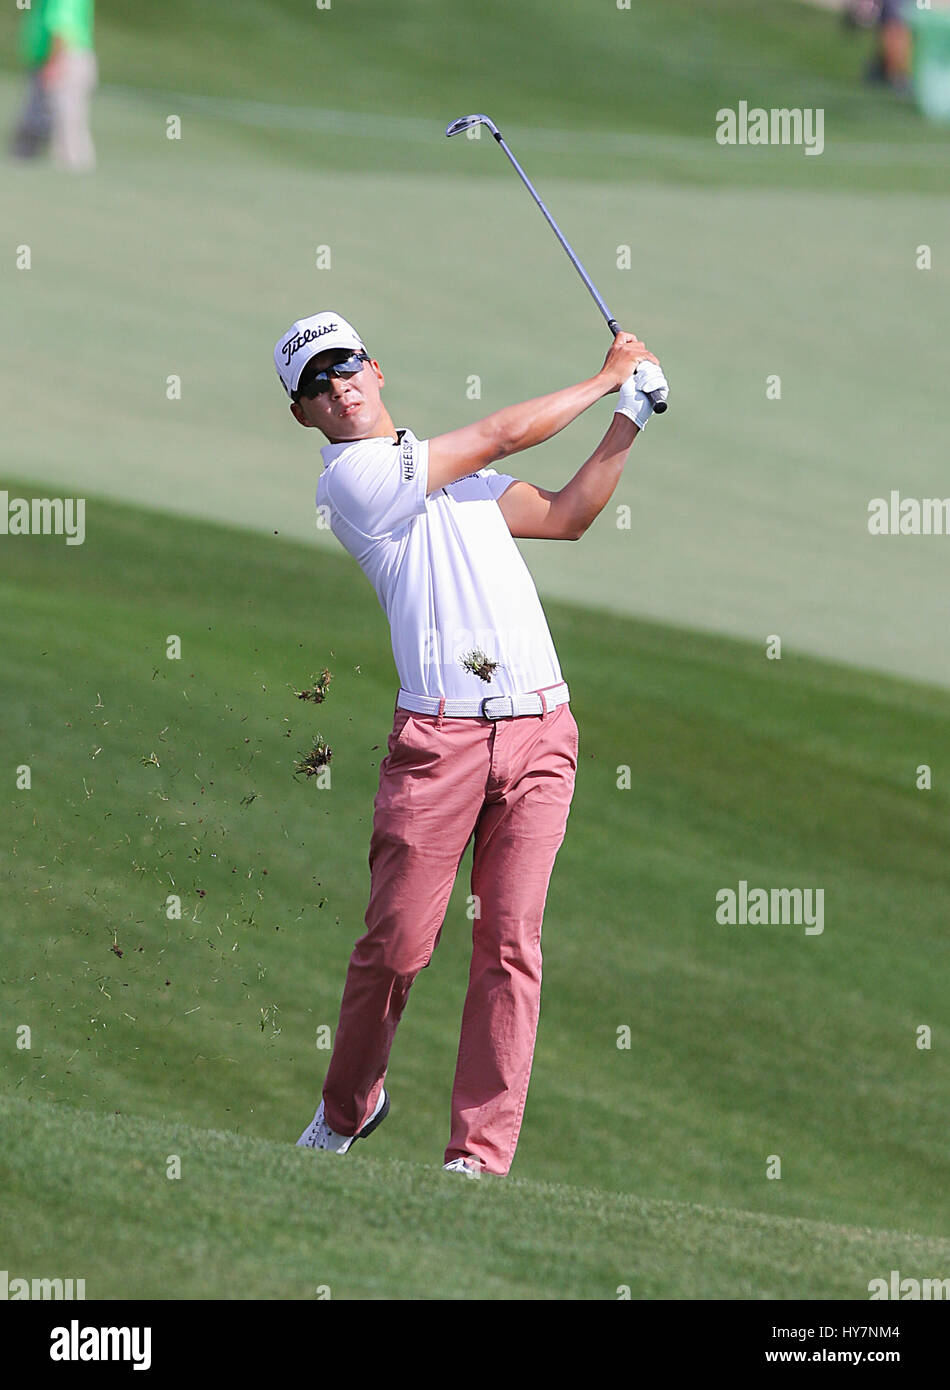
column 483, row 743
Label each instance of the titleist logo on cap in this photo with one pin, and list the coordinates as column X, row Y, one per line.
column 302, row 339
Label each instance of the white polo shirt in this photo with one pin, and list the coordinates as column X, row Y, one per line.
column 445, row 568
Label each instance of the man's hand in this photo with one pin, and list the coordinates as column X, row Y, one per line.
column 625, row 355
column 635, row 393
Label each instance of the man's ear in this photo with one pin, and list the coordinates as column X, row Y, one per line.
column 379, row 376
column 299, row 416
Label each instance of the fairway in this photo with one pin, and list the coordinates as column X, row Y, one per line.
column 747, row 515
column 154, row 777
column 678, row 1057
column 510, row 1240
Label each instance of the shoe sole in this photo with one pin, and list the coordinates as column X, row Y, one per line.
column 367, row 1129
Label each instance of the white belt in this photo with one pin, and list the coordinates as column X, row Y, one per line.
column 491, row 707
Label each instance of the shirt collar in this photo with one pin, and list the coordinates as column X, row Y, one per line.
column 331, row 452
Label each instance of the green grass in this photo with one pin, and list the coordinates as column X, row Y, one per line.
column 745, row 1042
column 418, row 1230
column 189, row 258
column 747, row 518
column 748, row 515
column 661, row 68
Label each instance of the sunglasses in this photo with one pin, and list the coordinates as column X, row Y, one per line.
column 319, row 382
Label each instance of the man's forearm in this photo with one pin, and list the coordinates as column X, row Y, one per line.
column 517, row 427
column 521, row 426
column 591, row 488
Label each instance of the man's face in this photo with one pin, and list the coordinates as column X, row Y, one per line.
column 349, row 407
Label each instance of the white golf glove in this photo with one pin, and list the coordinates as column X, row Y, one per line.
column 634, row 402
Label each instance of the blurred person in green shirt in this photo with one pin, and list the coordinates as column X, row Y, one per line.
column 56, row 43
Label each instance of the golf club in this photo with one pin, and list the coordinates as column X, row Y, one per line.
column 659, row 398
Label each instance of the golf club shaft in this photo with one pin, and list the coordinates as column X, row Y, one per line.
column 659, row 403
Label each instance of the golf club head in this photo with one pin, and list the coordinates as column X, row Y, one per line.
column 466, row 123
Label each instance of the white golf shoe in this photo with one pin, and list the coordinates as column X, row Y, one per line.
column 469, row 1166
column 319, row 1135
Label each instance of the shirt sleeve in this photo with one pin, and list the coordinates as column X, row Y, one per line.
column 497, row 482
column 381, row 486
column 71, row 20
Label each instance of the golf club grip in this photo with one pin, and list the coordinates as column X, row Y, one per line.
column 659, row 403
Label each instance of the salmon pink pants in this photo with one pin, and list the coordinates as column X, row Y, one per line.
column 508, row 782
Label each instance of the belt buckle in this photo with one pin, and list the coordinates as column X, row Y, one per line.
column 511, row 707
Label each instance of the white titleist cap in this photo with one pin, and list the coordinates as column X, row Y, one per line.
column 307, row 338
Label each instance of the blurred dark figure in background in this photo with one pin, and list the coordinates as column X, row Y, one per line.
column 891, row 63
column 57, row 46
